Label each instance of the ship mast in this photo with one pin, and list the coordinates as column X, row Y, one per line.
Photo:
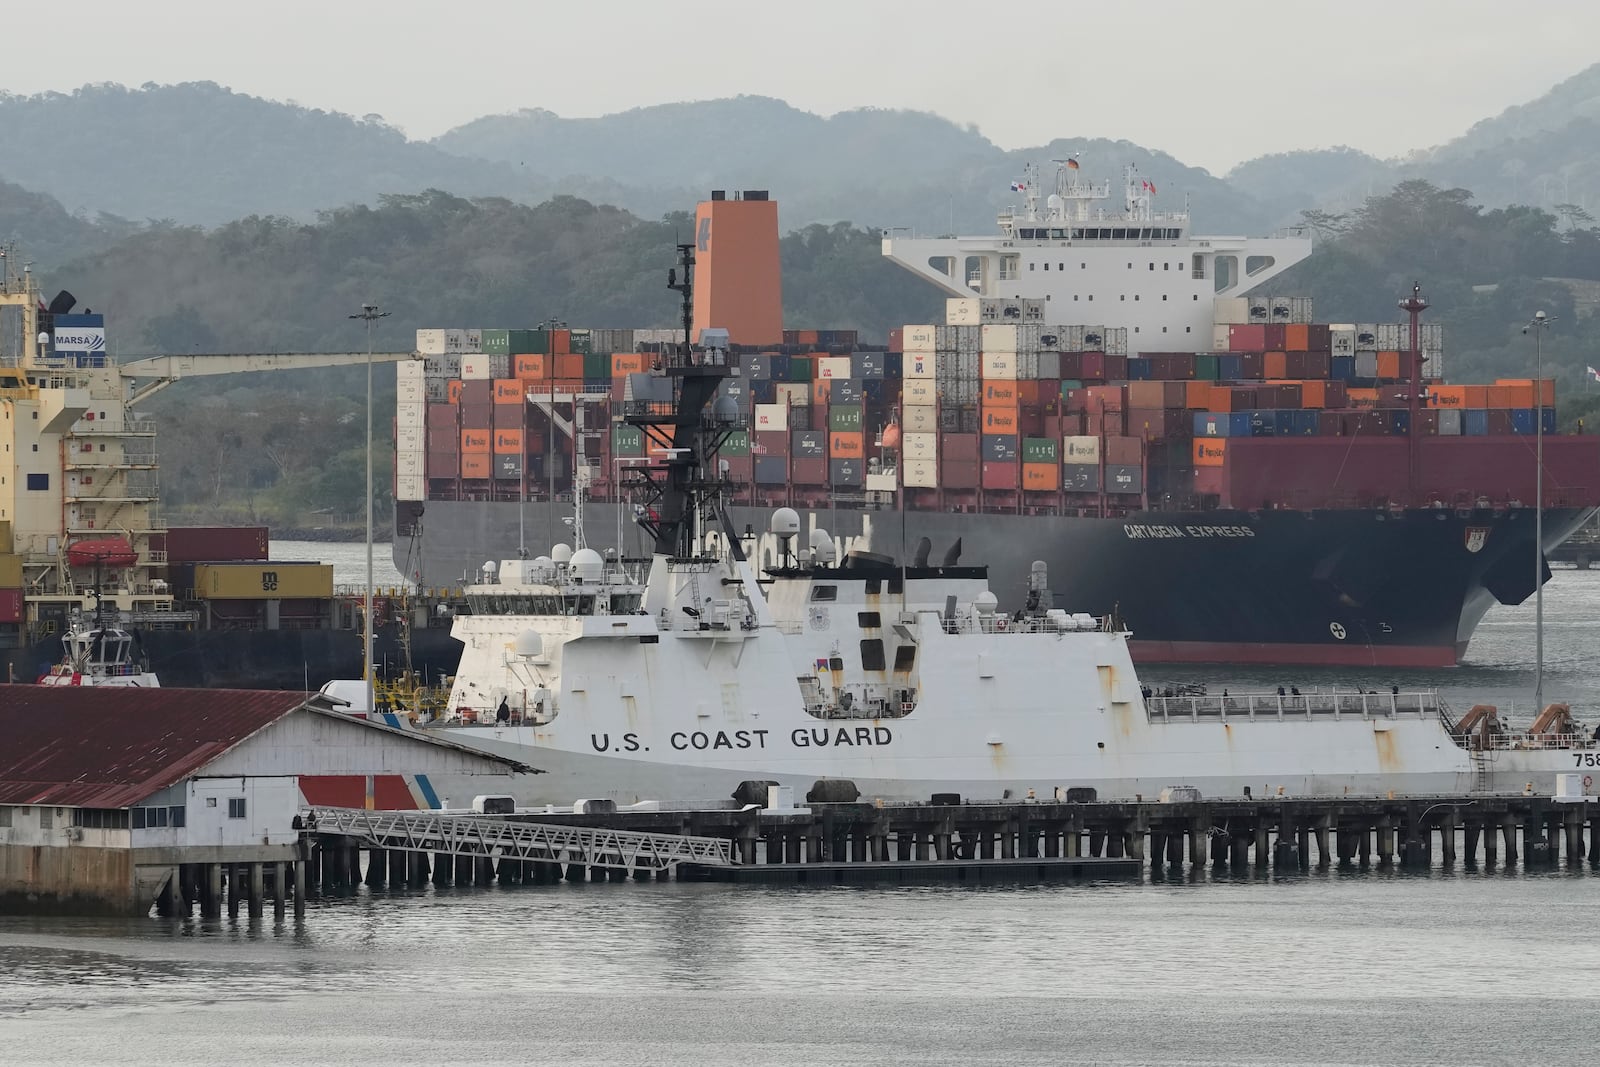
column 1414, row 305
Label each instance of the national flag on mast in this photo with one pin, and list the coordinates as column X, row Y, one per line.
column 1019, row 187
column 1594, row 375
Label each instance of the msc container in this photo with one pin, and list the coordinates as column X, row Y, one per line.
column 627, row 440
column 771, row 470
column 847, row 472
column 198, row 544
column 263, row 581
column 1124, row 478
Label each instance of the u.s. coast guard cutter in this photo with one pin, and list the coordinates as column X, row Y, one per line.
column 901, row 676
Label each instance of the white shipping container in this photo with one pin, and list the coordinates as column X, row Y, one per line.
column 1260, row 309
column 409, row 439
column 1366, row 364
column 1221, row 335
column 920, row 418
column 794, row 394
column 919, row 338
column 919, row 365
column 1390, row 337
column 921, row 445
column 455, row 340
column 437, row 390
column 963, row 311
column 409, row 370
column 1231, row 311
column 918, row 391
column 475, row 368
column 1000, row 365
column 499, row 366
column 431, row 342
column 1301, row 310
column 829, row 367
column 411, row 413
column 1280, row 309
column 772, row 417
column 1080, row 450
column 472, row 341
column 922, row 474
column 411, row 390
column 1116, row 341
column 410, row 487
column 412, row 463
column 1033, row 310
column 1342, row 338
column 1450, row 422
column 1000, row 337
column 1366, row 337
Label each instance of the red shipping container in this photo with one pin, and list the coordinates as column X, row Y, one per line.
column 442, row 416
column 1000, row 476
column 772, row 442
column 1275, row 364
column 1105, row 398
column 958, row 448
column 442, row 464
column 1071, row 366
column 1129, row 450
column 1116, row 368
column 1254, row 364
column 11, row 605
column 961, row 474
column 1247, row 338
column 1335, row 394
column 560, row 342
column 897, row 339
column 1319, row 338
column 477, row 392
column 1070, row 423
column 1275, row 335
column 1330, row 423
column 1427, row 423
column 1030, row 422
column 741, row 469
column 1091, row 367
column 1296, row 337
column 202, row 544
column 446, row 441
column 809, row 471
column 1108, row 422
column 1158, row 424
column 477, row 416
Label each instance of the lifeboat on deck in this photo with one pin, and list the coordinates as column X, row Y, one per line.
column 105, row 551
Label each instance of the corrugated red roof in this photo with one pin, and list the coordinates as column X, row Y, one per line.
column 106, row 747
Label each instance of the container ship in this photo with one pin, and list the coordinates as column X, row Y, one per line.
column 1109, row 393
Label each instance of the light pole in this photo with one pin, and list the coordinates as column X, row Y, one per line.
column 369, row 314
column 1538, row 325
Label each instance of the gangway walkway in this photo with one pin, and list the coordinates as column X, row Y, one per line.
column 463, row 834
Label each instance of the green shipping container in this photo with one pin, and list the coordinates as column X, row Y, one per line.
column 496, row 342
column 737, row 444
column 528, row 342
column 1039, row 450
column 628, row 440
column 799, row 369
column 842, row 418
column 583, row 344
column 597, row 364
column 1068, row 385
column 1206, row 368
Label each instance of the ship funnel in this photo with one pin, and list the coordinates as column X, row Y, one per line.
column 953, row 554
column 920, row 557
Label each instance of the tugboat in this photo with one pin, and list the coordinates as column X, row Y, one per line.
column 101, row 653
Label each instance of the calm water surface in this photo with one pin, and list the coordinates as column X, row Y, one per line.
column 1327, row 968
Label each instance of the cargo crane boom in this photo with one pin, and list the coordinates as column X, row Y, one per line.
column 162, row 371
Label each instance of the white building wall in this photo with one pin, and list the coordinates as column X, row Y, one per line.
column 313, row 744
column 270, row 805
column 30, row 827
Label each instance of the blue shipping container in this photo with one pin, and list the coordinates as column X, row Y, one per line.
column 778, row 371
column 1222, row 424
column 1475, row 422
column 764, row 391
column 1343, row 368
column 1401, row 424
column 894, row 364
column 1138, row 369
column 1522, row 420
column 1230, row 368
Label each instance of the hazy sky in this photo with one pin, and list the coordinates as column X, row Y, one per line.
column 1212, row 83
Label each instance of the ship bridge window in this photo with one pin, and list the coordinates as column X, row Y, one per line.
column 905, row 657
column 896, row 585
column 824, row 592
column 1058, row 235
column 1046, row 266
column 872, row 654
column 1199, row 268
column 1121, row 234
column 1077, row 233
column 868, row 620
column 874, row 586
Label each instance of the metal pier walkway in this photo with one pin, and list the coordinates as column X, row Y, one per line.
column 474, row 835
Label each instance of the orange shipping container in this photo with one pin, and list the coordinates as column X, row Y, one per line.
column 1313, row 394
column 1297, row 337
column 627, row 363
column 1196, row 395
column 476, row 441
column 508, row 442
column 475, row 465
column 1275, row 365
column 452, row 391
column 1447, row 396
column 507, row 391
column 1210, row 451
column 1477, row 396
column 1389, row 365
column 845, row 445
column 569, row 366
column 1361, row 398
column 1223, row 396
column 821, row 390
column 1549, row 390
column 998, row 392
column 530, row 368
column 1041, row 477
column 1029, row 391
column 999, row 419
column 560, row 342
column 1510, row 396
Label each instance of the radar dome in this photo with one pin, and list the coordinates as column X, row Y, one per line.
column 985, row 602
column 587, row 565
column 543, row 568
column 529, row 644
column 822, row 545
column 561, row 554
column 785, row 522
column 489, row 569
column 725, row 409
